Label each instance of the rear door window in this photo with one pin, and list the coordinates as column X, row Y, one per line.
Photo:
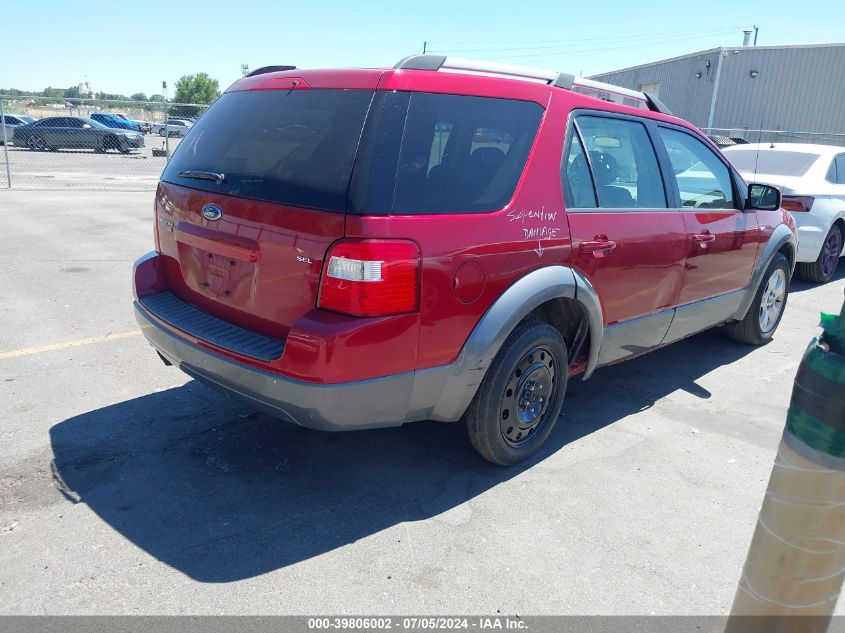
column 292, row 147
column 623, row 163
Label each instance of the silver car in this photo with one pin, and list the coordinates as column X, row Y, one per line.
column 173, row 127
column 11, row 122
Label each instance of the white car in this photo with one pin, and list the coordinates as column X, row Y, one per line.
column 175, row 127
column 13, row 121
column 812, row 178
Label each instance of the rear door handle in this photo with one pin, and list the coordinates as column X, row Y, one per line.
column 599, row 248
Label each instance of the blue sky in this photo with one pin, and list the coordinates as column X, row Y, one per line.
column 131, row 47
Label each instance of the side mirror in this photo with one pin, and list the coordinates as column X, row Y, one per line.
column 763, row 198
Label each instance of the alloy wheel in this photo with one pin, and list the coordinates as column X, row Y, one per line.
column 35, row 142
column 830, row 253
column 771, row 302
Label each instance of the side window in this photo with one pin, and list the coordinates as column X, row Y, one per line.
column 704, row 182
column 462, row 154
column 74, row 123
column 578, row 190
column 623, row 163
column 840, row 169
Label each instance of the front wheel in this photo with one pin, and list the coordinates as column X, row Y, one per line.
column 766, row 310
column 821, row 270
column 520, row 398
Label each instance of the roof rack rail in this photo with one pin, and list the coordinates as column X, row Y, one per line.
column 590, row 87
column 270, row 69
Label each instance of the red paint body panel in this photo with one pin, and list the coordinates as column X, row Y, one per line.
column 500, row 242
column 644, row 273
column 721, row 252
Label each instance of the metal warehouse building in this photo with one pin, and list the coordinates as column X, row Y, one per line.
column 793, row 93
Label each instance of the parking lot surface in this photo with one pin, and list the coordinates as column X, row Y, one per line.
column 125, row 487
column 138, row 170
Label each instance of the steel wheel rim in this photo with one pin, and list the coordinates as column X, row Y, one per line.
column 830, row 255
column 529, row 396
column 35, row 142
column 771, row 303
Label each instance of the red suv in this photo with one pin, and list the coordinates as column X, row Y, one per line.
column 447, row 240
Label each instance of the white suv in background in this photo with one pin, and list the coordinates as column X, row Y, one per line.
column 175, row 127
column 812, row 178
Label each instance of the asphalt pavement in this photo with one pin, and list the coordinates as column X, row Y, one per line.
column 126, row 488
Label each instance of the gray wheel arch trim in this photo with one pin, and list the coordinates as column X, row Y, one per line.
column 782, row 235
column 444, row 393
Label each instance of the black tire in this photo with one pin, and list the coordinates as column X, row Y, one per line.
column 520, row 398
column 36, row 143
column 162, row 132
column 821, row 271
column 750, row 329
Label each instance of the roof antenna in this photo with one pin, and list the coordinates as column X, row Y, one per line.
column 762, row 118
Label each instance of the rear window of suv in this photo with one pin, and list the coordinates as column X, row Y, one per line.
column 292, row 147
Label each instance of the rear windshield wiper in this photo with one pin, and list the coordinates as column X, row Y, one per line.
column 203, row 175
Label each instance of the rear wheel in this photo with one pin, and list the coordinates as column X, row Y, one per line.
column 765, row 312
column 520, row 398
column 821, row 270
column 162, row 132
column 36, row 143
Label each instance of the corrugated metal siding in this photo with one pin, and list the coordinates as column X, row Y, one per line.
column 680, row 89
column 798, row 89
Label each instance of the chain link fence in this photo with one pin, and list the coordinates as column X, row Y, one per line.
column 51, row 143
column 89, row 143
column 732, row 136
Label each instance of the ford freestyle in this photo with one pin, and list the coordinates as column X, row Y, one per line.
column 447, row 240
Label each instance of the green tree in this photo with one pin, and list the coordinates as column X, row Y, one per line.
column 72, row 92
column 199, row 88
column 158, row 98
column 139, row 96
column 53, row 93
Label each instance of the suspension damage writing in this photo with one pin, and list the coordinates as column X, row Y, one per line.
column 535, row 224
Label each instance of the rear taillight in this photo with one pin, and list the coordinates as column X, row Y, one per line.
column 371, row 278
column 800, row 204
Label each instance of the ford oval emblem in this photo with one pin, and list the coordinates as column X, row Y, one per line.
column 212, row 212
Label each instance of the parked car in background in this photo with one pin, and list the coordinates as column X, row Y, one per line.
column 812, row 178
column 447, row 240
column 113, row 121
column 174, row 127
column 53, row 133
column 12, row 121
column 143, row 126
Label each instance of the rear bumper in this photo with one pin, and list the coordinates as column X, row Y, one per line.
column 375, row 403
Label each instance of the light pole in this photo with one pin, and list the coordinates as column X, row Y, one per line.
column 244, row 69
column 166, row 127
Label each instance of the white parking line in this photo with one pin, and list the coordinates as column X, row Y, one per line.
column 57, row 346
